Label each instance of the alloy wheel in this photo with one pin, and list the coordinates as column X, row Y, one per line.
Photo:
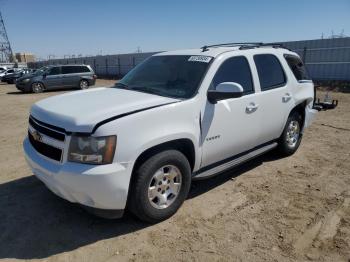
column 164, row 186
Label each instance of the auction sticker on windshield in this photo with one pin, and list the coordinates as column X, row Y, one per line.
column 200, row 58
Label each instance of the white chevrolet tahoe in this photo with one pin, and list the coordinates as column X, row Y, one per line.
column 177, row 116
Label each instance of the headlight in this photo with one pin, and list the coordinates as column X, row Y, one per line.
column 92, row 150
column 25, row 80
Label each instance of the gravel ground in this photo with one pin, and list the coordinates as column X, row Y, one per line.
column 270, row 209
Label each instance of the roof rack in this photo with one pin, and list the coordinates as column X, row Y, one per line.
column 242, row 46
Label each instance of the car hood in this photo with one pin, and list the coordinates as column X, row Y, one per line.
column 26, row 76
column 80, row 111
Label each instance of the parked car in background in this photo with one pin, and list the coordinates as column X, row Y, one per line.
column 11, row 78
column 8, row 71
column 177, row 116
column 3, row 68
column 57, row 77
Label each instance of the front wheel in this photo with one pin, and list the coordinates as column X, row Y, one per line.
column 37, row 87
column 291, row 136
column 160, row 186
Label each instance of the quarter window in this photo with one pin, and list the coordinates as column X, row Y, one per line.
column 235, row 69
column 82, row 69
column 271, row 74
column 297, row 67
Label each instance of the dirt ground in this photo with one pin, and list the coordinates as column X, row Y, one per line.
column 270, row 209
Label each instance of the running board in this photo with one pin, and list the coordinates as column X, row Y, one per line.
column 218, row 169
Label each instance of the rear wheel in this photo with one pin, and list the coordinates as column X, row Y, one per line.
column 37, row 87
column 84, row 84
column 291, row 136
column 160, row 186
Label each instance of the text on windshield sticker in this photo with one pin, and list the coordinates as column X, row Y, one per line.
column 200, row 58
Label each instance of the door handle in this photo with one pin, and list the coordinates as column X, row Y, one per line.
column 286, row 97
column 252, row 107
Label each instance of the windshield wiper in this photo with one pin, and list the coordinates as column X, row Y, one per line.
column 121, row 85
column 144, row 89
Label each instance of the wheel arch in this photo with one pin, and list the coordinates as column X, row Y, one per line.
column 84, row 79
column 184, row 145
column 300, row 109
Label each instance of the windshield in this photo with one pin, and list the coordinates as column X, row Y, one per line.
column 41, row 70
column 171, row 76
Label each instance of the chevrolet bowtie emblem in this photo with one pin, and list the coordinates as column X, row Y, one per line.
column 37, row 136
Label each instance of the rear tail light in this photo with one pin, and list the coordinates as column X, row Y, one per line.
column 94, row 76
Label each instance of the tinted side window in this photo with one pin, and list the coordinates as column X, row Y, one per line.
column 83, row 69
column 74, row 69
column 68, row 69
column 235, row 69
column 297, row 67
column 54, row 71
column 270, row 71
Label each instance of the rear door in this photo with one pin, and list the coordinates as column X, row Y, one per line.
column 70, row 76
column 275, row 97
column 53, row 78
column 73, row 74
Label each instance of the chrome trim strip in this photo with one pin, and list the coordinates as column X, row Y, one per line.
column 54, row 130
column 235, row 162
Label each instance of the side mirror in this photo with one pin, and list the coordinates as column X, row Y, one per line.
column 225, row 90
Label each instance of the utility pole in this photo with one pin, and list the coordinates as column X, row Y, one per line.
column 6, row 54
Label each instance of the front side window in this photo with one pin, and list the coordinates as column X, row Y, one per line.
column 54, row 71
column 297, row 67
column 176, row 76
column 270, row 71
column 235, row 69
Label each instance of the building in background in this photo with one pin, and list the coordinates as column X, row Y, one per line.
column 25, row 57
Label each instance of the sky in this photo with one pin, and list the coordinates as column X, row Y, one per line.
column 67, row 27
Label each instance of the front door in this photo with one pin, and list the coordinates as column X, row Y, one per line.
column 230, row 126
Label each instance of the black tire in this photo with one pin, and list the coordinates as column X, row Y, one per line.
column 140, row 204
column 83, row 84
column 286, row 145
column 37, row 87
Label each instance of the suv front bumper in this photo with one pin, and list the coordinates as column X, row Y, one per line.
column 102, row 189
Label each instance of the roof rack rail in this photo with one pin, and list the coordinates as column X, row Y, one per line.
column 247, row 45
column 205, row 48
